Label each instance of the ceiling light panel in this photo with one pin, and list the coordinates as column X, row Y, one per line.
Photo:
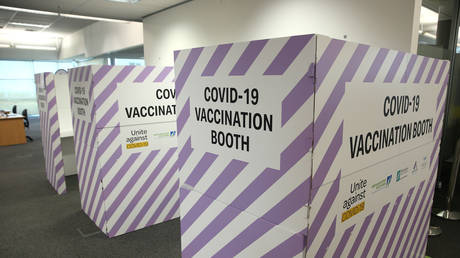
column 84, row 17
column 15, row 9
column 68, row 15
column 34, row 25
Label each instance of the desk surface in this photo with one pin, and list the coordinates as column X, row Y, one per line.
column 11, row 116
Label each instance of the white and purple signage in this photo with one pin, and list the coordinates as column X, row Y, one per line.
column 125, row 145
column 307, row 146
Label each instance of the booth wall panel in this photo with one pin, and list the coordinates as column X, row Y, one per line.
column 275, row 199
column 49, row 127
column 214, row 219
column 370, row 65
column 121, row 192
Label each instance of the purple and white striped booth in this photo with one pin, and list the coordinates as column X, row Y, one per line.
column 125, row 145
column 50, row 131
column 307, row 146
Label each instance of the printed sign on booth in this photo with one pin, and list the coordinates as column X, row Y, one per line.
column 239, row 117
column 41, row 94
column 80, row 100
column 147, row 115
column 397, row 119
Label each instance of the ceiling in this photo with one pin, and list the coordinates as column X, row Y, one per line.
column 98, row 8
column 57, row 24
column 19, row 27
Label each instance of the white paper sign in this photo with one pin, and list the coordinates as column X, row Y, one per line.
column 80, row 100
column 147, row 115
column 41, row 95
column 383, row 121
column 239, row 117
column 141, row 103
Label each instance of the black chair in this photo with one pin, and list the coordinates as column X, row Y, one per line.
column 26, row 123
column 15, row 109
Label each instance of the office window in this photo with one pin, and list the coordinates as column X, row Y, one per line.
column 17, row 85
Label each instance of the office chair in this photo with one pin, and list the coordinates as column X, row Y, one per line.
column 15, row 109
column 26, row 123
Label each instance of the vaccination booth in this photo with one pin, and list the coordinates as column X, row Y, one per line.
column 56, row 127
column 307, row 146
column 125, row 144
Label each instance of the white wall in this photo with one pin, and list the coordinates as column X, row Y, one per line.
column 388, row 23
column 101, row 38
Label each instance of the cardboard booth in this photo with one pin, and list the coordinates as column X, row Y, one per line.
column 125, row 144
column 53, row 99
column 50, row 130
column 307, row 146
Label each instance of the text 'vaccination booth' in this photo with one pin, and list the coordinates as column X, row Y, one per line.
column 50, row 130
column 125, row 145
column 307, row 146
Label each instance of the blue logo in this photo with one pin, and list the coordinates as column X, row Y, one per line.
column 172, row 133
column 389, row 179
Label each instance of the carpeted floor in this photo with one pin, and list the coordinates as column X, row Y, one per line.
column 36, row 222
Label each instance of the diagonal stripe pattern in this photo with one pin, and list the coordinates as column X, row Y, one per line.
column 50, row 131
column 241, row 211
column 121, row 192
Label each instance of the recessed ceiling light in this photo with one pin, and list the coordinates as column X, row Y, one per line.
column 35, row 47
column 29, row 25
column 124, row 1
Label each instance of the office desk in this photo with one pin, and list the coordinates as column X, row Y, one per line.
column 12, row 130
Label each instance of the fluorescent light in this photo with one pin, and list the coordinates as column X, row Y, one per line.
column 35, row 47
column 84, row 17
column 4, row 45
column 68, row 15
column 29, row 25
column 15, row 9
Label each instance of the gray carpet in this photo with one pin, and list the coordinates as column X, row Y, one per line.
column 36, row 222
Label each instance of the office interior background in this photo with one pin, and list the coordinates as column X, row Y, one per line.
column 46, row 36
